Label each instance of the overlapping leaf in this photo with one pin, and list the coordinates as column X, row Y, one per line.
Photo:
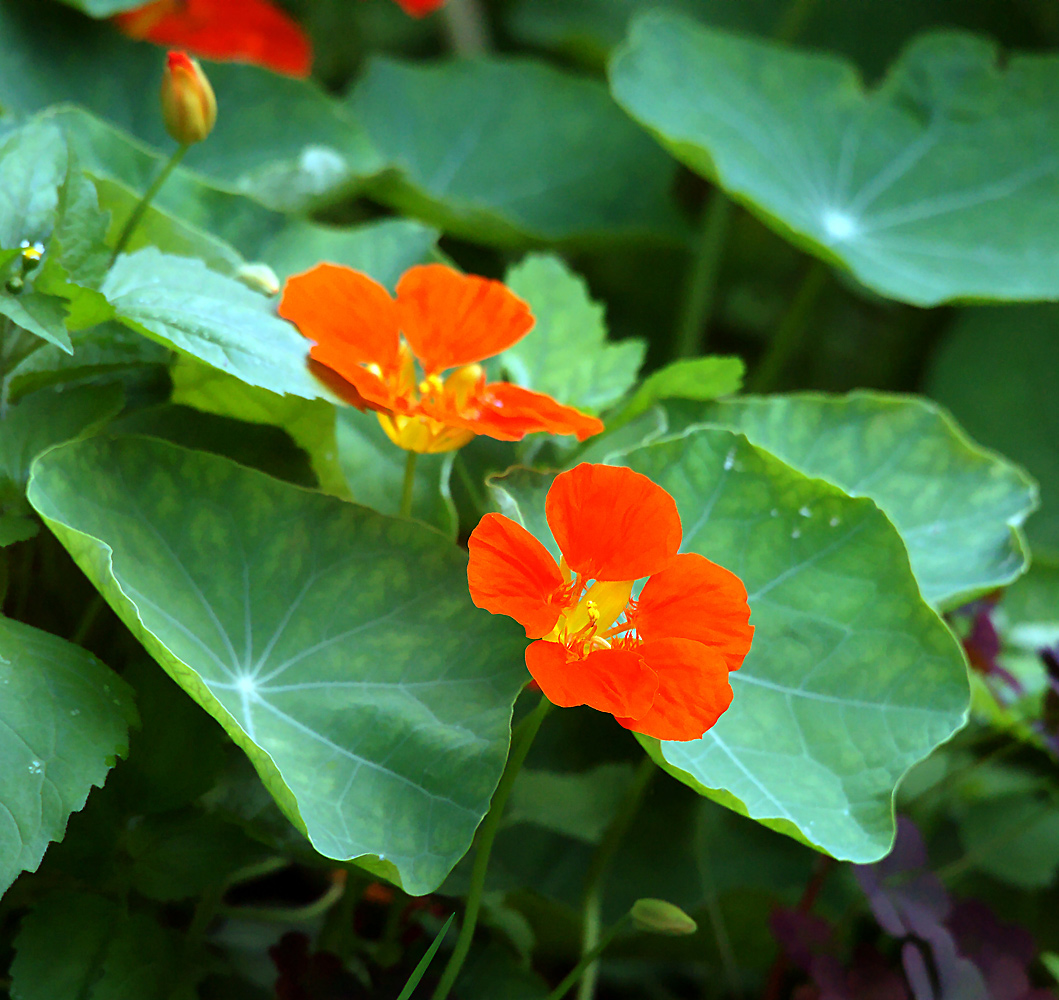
column 996, row 372
column 851, row 679
column 64, row 719
column 338, row 648
column 506, row 151
column 958, row 508
column 940, row 184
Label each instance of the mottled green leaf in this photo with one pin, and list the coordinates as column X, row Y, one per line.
column 939, row 184
column 996, row 372
column 337, row 647
column 181, row 303
column 65, row 719
column 566, row 354
column 578, row 804
column 958, row 508
column 509, row 150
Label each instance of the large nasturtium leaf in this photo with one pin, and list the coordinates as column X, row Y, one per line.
column 181, row 303
column 942, row 183
column 958, row 508
column 339, row 648
column 996, row 372
column 566, row 354
column 64, row 719
column 509, row 150
column 851, row 678
column 310, row 153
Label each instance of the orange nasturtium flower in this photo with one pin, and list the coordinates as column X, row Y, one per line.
column 253, row 31
column 450, row 322
column 658, row 664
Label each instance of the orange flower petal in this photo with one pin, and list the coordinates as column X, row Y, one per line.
column 610, row 680
column 693, row 598
column 420, row 8
column 354, row 383
column 253, row 31
column 451, row 319
column 693, row 690
column 612, row 523
column 511, row 573
column 351, row 317
column 536, row 411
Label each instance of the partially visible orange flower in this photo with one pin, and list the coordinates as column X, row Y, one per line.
column 658, row 664
column 420, row 8
column 252, row 31
column 450, row 322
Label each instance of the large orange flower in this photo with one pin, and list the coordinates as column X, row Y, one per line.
column 253, row 31
column 450, row 322
column 658, row 664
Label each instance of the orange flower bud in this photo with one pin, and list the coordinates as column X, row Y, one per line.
column 189, row 107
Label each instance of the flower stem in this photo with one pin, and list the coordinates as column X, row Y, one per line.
column 589, row 958
column 521, row 740
column 701, row 279
column 466, row 27
column 138, row 212
column 409, row 484
column 790, row 334
column 597, row 869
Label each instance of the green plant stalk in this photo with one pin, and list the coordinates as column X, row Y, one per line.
column 700, row 289
column 588, row 960
column 592, row 907
column 790, row 335
column 474, row 491
column 134, row 220
column 408, row 487
column 521, row 741
column 466, row 27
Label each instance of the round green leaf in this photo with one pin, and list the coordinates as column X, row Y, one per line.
column 505, row 151
column 851, row 678
column 337, row 647
column 942, row 183
column 958, row 508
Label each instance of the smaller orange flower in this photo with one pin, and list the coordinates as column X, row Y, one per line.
column 252, row 31
column 658, row 664
column 449, row 322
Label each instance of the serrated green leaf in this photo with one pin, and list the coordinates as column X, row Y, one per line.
column 65, row 719
column 337, row 647
column 101, row 353
column 566, row 354
column 507, row 151
column 179, row 302
column 689, row 378
column 996, row 372
column 313, row 153
column 843, row 643
column 958, row 507
column 937, row 185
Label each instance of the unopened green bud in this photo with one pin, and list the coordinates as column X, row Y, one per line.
column 656, row 916
column 15, row 284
